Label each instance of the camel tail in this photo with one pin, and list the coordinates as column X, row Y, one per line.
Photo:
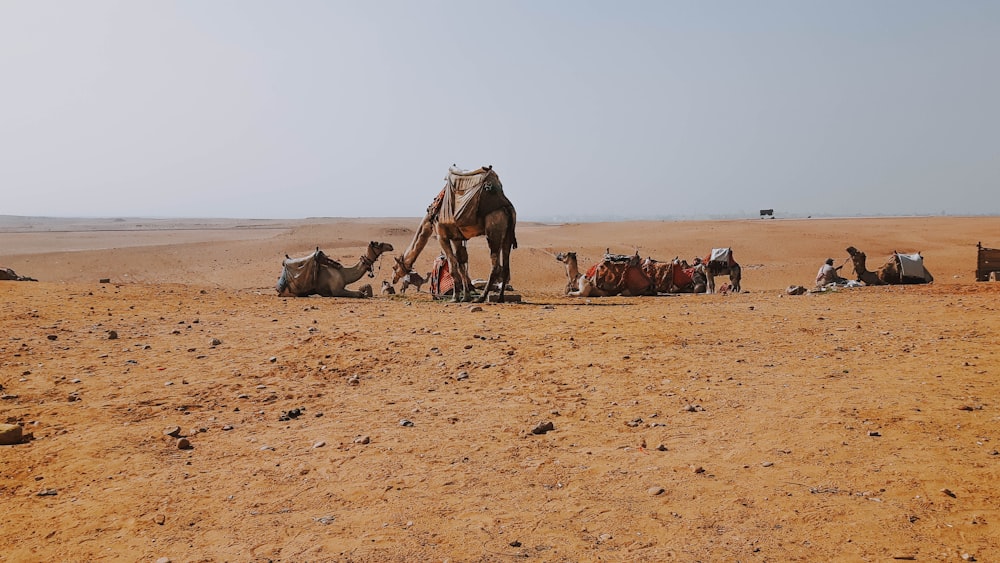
column 510, row 228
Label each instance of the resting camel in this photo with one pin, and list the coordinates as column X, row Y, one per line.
column 675, row 276
column 888, row 274
column 330, row 278
column 606, row 279
column 730, row 268
column 471, row 204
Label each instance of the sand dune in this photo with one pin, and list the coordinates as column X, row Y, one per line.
column 857, row 425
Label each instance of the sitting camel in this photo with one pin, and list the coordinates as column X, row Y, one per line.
column 607, row 278
column 892, row 272
column 317, row 274
column 675, row 276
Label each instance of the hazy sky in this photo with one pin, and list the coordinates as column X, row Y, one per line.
column 271, row 109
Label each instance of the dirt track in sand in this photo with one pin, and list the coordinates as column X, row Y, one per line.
column 752, row 427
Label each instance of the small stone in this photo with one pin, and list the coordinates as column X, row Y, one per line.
column 767, row 464
column 47, row 493
column 104, row 280
column 405, row 422
column 475, row 309
column 661, row 448
column 216, row 342
column 319, row 444
column 10, row 434
column 52, row 337
column 112, row 335
column 543, row 427
column 655, row 491
column 949, row 493
column 515, row 543
column 462, row 375
column 874, row 433
column 159, row 519
column 184, row 444
column 172, row 431
column 362, row 440
column 227, row 427
column 698, row 470
column 273, row 359
column 163, row 560
column 353, row 380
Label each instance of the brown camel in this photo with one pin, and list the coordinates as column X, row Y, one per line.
column 723, row 266
column 890, row 273
column 317, row 274
column 674, row 276
column 607, row 278
column 471, row 204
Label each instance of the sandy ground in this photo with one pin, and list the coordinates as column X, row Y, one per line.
column 857, row 425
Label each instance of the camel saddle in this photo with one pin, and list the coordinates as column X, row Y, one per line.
column 460, row 199
column 721, row 256
column 298, row 275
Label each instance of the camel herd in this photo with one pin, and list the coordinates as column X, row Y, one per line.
column 472, row 204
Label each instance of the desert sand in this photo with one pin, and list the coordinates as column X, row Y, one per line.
column 854, row 425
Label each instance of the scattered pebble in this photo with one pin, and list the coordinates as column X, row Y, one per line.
column 172, row 431
column 216, row 342
column 405, row 422
column 47, row 493
column 767, row 464
column 475, row 309
column 362, row 440
column 319, row 444
column 112, row 335
column 949, row 493
column 543, row 427
column 874, row 433
column 655, row 491
column 184, row 444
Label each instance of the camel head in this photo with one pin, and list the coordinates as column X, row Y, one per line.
column 375, row 249
column 378, row 248
column 399, row 269
column 566, row 257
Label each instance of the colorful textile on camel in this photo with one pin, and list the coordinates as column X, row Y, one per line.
column 461, row 197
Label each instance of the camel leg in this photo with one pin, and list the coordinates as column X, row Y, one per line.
column 350, row 293
column 710, row 278
column 735, row 275
column 495, row 271
column 462, row 253
column 456, row 276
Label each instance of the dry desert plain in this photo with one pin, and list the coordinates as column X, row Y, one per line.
column 855, row 425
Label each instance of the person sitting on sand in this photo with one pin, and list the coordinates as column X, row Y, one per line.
column 828, row 274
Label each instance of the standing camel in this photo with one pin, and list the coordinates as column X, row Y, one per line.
column 317, row 274
column 471, row 204
column 719, row 263
column 889, row 274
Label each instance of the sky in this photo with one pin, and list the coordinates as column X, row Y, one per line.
column 586, row 110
